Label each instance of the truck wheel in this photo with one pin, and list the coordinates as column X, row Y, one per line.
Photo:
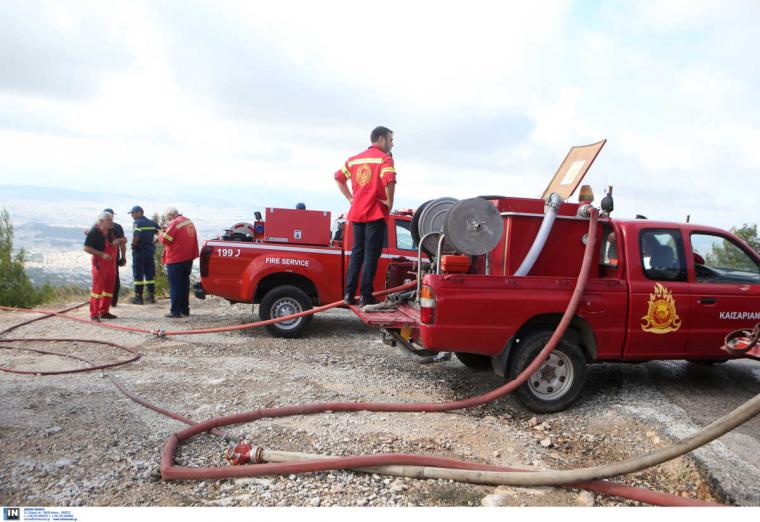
column 557, row 383
column 281, row 301
column 474, row 361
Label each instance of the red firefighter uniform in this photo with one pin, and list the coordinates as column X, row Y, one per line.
column 103, row 279
column 369, row 172
column 180, row 241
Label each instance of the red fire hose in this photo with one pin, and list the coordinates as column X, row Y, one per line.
column 171, row 471
column 163, row 333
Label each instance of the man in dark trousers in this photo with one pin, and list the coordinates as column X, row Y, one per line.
column 180, row 249
column 373, row 181
column 121, row 256
column 143, row 260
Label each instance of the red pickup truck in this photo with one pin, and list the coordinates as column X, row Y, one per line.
column 658, row 290
column 290, row 262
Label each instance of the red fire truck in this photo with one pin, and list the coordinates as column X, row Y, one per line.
column 495, row 275
column 290, row 262
column 503, row 269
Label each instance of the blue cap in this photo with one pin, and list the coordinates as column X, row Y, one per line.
column 136, row 208
column 109, row 210
column 301, row 206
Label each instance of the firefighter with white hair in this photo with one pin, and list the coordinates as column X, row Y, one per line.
column 180, row 242
column 102, row 244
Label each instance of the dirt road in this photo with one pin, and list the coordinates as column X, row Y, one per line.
column 74, row 440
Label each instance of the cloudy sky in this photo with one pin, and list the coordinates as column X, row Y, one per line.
column 259, row 103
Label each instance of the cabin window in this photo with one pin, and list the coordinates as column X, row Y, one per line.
column 719, row 260
column 662, row 257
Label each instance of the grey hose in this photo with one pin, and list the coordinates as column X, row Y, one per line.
column 562, row 477
column 552, row 207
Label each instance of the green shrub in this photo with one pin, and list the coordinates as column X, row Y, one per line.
column 162, row 280
column 16, row 288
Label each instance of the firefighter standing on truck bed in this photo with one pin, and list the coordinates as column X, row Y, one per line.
column 143, row 262
column 180, row 249
column 102, row 245
column 373, row 181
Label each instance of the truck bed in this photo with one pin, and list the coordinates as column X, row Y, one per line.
column 402, row 316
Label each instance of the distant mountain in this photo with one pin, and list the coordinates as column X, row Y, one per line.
column 53, row 234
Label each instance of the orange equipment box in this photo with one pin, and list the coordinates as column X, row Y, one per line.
column 459, row 264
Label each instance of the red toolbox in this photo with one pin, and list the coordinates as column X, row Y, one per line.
column 304, row 227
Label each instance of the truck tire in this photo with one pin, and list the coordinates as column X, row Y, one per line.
column 479, row 363
column 557, row 383
column 281, row 301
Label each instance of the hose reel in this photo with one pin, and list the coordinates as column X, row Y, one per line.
column 473, row 226
column 432, row 216
column 470, row 226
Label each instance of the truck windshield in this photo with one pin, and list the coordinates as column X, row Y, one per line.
column 404, row 239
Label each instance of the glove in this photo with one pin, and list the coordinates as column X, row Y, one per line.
column 122, row 262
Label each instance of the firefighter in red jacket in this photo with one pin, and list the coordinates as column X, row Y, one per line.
column 373, row 181
column 180, row 249
column 102, row 245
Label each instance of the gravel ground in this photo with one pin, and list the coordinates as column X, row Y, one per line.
column 75, row 440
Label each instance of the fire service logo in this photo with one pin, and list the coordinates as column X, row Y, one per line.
column 363, row 175
column 661, row 317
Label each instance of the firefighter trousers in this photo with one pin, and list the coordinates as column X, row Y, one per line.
column 368, row 245
column 179, row 286
column 144, row 272
column 103, row 279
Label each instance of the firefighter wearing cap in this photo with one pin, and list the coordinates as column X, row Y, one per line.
column 180, row 249
column 373, row 180
column 143, row 257
column 102, row 245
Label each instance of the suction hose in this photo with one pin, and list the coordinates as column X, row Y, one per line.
column 551, row 209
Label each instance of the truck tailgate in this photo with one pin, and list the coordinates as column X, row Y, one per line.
column 403, row 316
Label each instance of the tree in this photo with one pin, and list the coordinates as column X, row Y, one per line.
column 749, row 234
column 16, row 288
column 162, row 280
column 725, row 254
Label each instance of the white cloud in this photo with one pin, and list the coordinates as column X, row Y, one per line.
column 484, row 97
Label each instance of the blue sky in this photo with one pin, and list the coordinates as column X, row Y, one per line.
column 260, row 102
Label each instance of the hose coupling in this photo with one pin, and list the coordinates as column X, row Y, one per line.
column 584, row 211
column 243, row 452
column 553, row 202
column 159, row 332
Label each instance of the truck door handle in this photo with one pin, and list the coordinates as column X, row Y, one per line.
column 707, row 300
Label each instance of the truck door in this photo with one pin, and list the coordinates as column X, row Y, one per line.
column 401, row 254
column 658, row 314
column 725, row 291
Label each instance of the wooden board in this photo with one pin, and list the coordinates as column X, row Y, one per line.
column 573, row 169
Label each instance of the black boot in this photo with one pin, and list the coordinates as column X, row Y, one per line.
column 151, row 299
column 137, row 299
